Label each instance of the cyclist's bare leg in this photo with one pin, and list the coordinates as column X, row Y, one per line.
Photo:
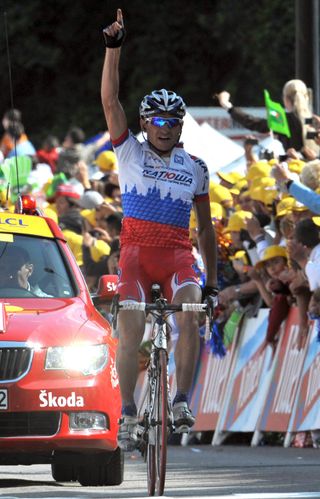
column 131, row 324
column 187, row 348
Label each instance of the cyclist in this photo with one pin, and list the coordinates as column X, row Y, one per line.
column 159, row 182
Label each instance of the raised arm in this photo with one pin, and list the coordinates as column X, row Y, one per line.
column 114, row 113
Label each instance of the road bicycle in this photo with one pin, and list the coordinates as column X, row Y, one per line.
column 158, row 423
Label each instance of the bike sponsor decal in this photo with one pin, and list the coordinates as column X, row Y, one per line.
column 48, row 399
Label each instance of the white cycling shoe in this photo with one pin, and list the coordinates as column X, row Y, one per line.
column 129, row 433
column 183, row 418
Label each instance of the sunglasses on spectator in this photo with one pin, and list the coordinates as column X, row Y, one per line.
column 161, row 122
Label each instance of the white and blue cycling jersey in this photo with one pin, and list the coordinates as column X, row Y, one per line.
column 158, row 193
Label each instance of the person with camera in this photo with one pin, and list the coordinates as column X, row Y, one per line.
column 298, row 113
column 159, row 183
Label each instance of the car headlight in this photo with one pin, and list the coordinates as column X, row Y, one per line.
column 87, row 359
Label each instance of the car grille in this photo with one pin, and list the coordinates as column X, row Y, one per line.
column 14, row 362
column 28, row 424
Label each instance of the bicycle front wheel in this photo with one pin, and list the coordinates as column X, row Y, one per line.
column 162, row 423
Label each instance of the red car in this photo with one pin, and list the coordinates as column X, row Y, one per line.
column 59, row 390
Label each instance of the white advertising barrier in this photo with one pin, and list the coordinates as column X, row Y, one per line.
column 249, row 390
column 209, row 387
column 286, row 374
column 249, row 380
column 306, row 412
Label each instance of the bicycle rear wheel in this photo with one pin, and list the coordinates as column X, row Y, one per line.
column 162, row 423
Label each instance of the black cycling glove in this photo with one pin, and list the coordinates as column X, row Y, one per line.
column 210, row 295
column 113, row 42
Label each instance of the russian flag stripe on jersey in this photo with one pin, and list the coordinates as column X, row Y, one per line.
column 144, row 233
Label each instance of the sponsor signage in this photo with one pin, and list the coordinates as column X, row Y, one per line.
column 250, row 377
column 48, row 399
column 306, row 414
column 24, row 224
column 279, row 402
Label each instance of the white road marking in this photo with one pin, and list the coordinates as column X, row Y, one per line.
column 258, row 495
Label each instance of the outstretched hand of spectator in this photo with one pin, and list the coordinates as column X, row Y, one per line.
column 297, row 252
column 309, row 153
column 83, row 174
column 224, row 99
column 280, row 173
column 298, row 283
column 253, row 227
column 255, row 275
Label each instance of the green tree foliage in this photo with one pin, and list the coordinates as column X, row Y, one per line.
column 197, row 48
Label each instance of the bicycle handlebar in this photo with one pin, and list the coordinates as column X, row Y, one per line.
column 148, row 307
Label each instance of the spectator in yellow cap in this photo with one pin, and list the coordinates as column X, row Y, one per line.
column 220, row 194
column 300, row 212
column 273, row 262
column 237, row 227
column 283, row 221
column 106, row 161
column 245, row 201
column 274, row 292
column 258, row 170
column 229, row 180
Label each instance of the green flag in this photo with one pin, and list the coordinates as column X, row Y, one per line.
column 9, row 169
column 276, row 116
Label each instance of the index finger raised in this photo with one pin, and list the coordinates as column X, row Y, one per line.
column 119, row 17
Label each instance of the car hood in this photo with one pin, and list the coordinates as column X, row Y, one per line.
column 50, row 321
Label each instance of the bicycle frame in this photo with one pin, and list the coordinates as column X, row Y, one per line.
column 158, row 416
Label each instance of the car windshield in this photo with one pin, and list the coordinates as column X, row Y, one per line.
column 33, row 267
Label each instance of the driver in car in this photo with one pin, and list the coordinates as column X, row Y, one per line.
column 16, row 269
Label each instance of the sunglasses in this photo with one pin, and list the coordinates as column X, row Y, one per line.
column 161, row 122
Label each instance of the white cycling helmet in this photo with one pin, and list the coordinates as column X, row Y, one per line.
column 164, row 101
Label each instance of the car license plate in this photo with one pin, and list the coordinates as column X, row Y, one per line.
column 3, row 399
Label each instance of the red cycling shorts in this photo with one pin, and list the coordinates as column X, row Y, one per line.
column 140, row 267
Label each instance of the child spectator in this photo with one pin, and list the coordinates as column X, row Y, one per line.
column 276, row 295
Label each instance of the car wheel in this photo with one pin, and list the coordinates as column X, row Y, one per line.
column 64, row 472
column 104, row 472
column 114, row 471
